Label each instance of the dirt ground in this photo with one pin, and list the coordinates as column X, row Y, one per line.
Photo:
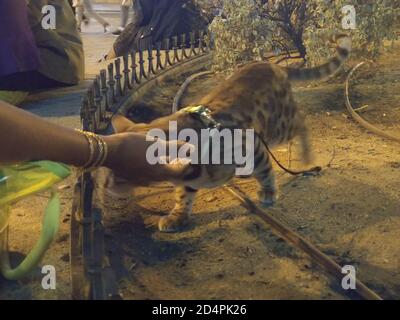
column 351, row 211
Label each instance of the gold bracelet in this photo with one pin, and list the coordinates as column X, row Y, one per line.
column 105, row 153
column 102, row 154
column 102, row 150
column 91, row 148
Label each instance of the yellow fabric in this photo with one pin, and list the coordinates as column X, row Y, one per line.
column 13, row 97
column 51, row 225
column 19, row 181
column 5, row 213
column 16, row 183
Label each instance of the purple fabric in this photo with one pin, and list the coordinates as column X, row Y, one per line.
column 18, row 51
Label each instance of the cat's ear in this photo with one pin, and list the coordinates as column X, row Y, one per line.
column 122, row 124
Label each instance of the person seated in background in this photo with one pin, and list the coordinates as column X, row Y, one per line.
column 32, row 57
column 19, row 54
column 156, row 20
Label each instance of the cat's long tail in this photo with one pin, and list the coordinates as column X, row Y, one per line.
column 343, row 48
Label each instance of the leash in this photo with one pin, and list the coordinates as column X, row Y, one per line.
column 313, row 170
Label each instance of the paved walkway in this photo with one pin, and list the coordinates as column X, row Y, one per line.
column 106, row 7
column 63, row 105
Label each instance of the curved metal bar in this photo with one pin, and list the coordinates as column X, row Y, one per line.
column 175, row 48
column 92, row 125
column 108, row 93
column 104, row 91
column 184, row 54
column 85, row 115
column 111, row 82
column 202, row 46
column 168, row 61
column 118, row 77
column 126, row 71
column 159, row 65
column 97, row 100
column 192, row 44
column 142, row 72
column 98, row 290
column 135, row 78
column 151, row 69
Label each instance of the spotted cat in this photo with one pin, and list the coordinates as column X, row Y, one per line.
column 258, row 96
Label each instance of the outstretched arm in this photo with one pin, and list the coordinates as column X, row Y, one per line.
column 27, row 137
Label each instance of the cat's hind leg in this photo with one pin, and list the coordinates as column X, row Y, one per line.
column 264, row 174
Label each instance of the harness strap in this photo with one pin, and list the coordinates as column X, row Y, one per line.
column 203, row 114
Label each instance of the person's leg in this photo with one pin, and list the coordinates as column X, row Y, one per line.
column 92, row 14
column 79, row 9
column 79, row 16
column 125, row 5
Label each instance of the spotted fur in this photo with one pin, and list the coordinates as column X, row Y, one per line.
column 258, row 96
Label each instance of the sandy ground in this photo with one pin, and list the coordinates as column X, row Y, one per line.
column 350, row 211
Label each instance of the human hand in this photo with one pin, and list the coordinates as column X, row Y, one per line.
column 127, row 158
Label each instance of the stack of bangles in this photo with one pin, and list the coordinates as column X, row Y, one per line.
column 98, row 151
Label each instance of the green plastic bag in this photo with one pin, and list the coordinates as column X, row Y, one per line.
column 18, row 182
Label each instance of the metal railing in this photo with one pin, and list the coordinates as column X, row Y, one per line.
column 125, row 75
column 91, row 274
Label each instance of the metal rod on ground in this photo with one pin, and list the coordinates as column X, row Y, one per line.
column 357, row 117
column 299, row 242
column 288, row 235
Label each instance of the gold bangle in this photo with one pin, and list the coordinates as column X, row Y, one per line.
column 95, row 162
column 99, row 153
column 91, row 148
column 103, row 150
column 100, row 156
column 105, row 153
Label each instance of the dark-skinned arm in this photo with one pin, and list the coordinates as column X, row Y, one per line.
column 26, row 137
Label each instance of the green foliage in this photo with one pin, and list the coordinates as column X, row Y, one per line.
column 375, row 23
column 209, row 8
column 209, row 5
column 240, row 37
column 252, row 29
column 290, row 19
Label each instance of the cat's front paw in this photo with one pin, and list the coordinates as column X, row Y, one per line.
column 171, row 224
column 267, row 198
